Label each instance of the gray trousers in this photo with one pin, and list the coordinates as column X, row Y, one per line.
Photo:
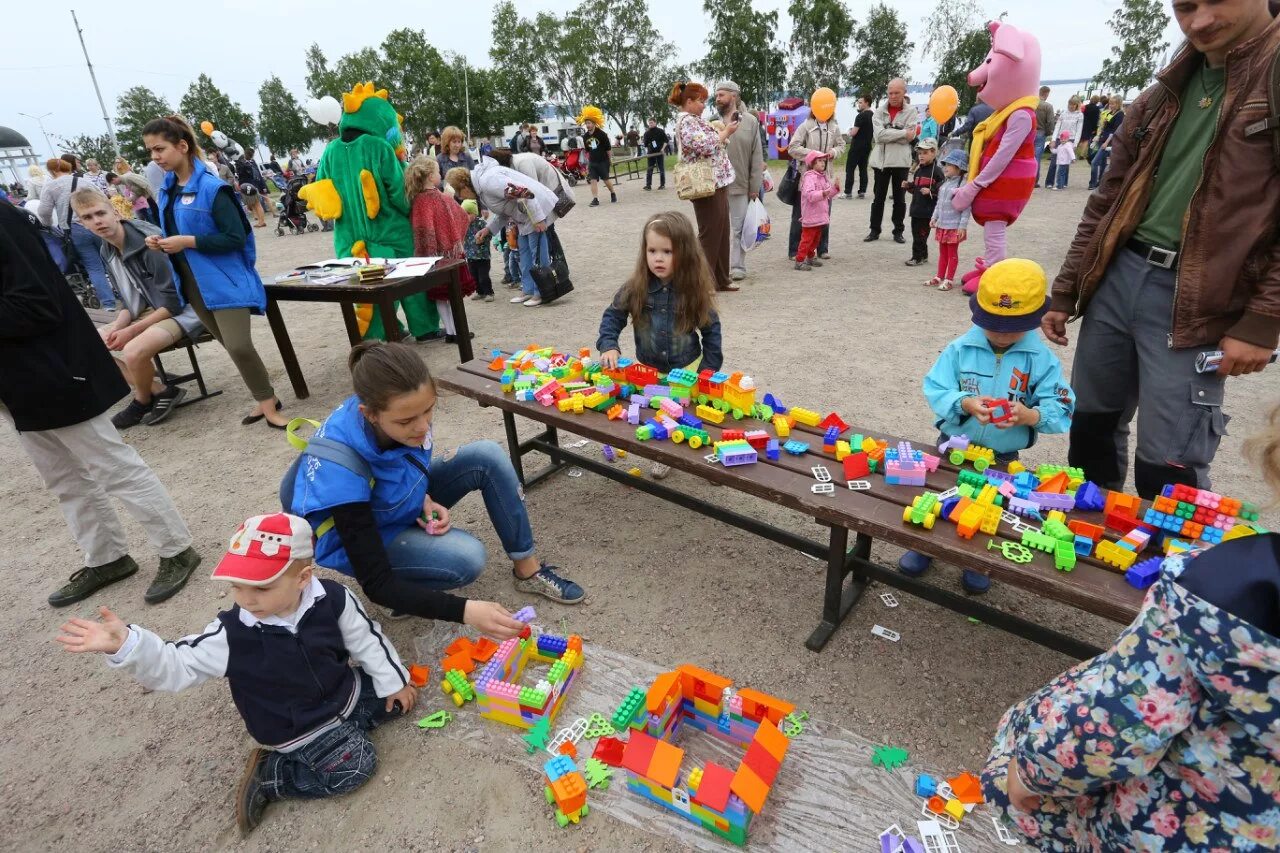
column 1124, row 365
column 737, row 215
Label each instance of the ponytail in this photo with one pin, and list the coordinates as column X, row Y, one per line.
column 381, row 371
column 174, row 129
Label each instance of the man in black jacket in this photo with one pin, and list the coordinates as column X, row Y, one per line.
column 655, row 146
column 57, row 380
column 859, row 149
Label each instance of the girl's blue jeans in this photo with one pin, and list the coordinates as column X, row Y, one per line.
column 456, row 558
column 1098, row 166
column 534, row 252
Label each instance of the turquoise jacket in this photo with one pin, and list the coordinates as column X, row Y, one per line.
column 396, row 494
column 1026, row 372
column 225, row 279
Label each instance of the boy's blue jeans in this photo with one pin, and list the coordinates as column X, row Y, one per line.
column 87, row 243
column 456, row 558
column 534, row 252
column 1063, row 172
column 339, row 761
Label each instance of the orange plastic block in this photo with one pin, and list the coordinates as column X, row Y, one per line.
column 936, row 804
column 462, row 644
column 614, row 412
column 484, row 649
column 1056, row 484
column 419, row 675
column 958, row 510
column 462, row 661
column 567, row 748
column 570, row 792
column 1084, row 528
column 969, row 521
column 662, row 691
column 498, row 363
column 750, row 788
column 761, row 763
column 575, row 643
column 762, row 706
column 967, row 788
column 1123, row 504
column 773, row 741
column 664, row 767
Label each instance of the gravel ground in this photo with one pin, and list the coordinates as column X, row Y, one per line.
column 96, row 763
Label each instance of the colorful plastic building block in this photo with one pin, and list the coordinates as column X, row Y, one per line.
column 1064, row 556
column 796, row 448
column 889, row 757
column 1144, row 574
column 419, row 675
column 566, row 790
column 924, row 510
column 598, row 774
column 805, row 416
column 1114, row 555
column 926, row 785
column 457, row 688
column 1090, row 498
column 772, row 450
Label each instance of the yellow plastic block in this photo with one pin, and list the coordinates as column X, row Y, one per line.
column 955, row 808
column 695, row 779
column 986, row 495
column 1056, row 515
column 1115, row 556
column 842, row 450
column 565, row 405
column 709, row 414
column 1015, row 467
column 779, row 423
column 805, row 416
column 990, row 521
column 636, row 472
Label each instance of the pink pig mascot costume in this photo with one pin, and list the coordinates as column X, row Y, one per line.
column 1002, row 164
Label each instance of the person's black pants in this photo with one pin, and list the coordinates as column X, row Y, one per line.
column 479, row 268
column 920, row 238
column 793, row 239
column 857, row 160
column 659, row 162
column 886, row 179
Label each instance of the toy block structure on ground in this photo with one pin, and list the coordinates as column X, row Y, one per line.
column 721, row 799
column 565, row 789
column 498, row 689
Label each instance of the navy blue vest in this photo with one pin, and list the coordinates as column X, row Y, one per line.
column 286, row 685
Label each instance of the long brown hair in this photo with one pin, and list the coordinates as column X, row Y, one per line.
column 174, row 129
column 382, row 370
column 423, row 173
column 690, row 276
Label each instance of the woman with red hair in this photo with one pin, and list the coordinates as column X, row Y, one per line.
column 700, row 141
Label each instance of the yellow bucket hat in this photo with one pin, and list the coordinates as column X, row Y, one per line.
column 1011, row 297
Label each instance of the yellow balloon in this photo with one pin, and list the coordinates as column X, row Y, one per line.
column 207, row 127
column 823, row 104
column 943, row 103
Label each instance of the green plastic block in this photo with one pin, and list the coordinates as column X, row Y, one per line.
column 889, row 757
column 438, row 720
column 1059, row 531
column 1064, row 557
column 598, row 726
column 627, row 711
column 532, row 697
column 971, row 479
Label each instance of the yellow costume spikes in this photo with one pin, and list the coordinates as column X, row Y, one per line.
column 359, row 93
column 591, row 113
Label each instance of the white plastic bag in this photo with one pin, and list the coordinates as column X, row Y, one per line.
column 755, row 225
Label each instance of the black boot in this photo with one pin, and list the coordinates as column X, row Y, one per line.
column 1149, row 478
column 1093, row 448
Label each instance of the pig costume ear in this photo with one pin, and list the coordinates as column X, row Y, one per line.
column 1009, row 45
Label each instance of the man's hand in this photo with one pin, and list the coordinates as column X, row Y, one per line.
column 1240, row 358
column 609, row 359
column 1020, row 415
column 491, row 619
column 753, row 196
column 435, row 518
column 1019, row 795
column 118, row 338
column 407, row 696
column 1054, row 326
column 482, row 235
column 85, row 635
column 540, row 226
column 925, row 192
column 975, row 408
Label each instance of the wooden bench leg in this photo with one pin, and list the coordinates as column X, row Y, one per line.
column 837, row 601
column 350, row 322
column 281, row 333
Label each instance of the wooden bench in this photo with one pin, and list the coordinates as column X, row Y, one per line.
column 101, row 318
column 873, row 514
column 628, row 168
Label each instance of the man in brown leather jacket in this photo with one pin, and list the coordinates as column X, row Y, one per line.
column 1177, row 254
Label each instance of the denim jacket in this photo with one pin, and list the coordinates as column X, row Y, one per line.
column 658, row 344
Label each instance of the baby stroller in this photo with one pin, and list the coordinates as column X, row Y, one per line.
column 293, row 211
column 573, row 166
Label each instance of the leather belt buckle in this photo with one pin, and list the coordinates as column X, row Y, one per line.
column 1163, row 258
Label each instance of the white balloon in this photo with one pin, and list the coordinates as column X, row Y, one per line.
column 324, row 110
column 219, row 138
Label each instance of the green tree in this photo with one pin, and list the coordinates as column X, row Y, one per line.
column 281, row 122
column 820, row 34
column 956, row 38
column 320, row 78
column 1139, row 27
column 134, row 108
column 516, row 92
column 564, row 48
column 883, row 52
column 741, row 48
column 86, row 147
column 363, row 66
column 204, row 101
column 626, row 61
column 416, row 78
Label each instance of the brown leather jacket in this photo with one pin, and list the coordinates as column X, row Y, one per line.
column 1228, row 272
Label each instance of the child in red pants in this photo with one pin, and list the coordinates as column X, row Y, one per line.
column 816, row 192
column 950, row 227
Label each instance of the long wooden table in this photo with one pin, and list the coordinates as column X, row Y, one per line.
column 872, row 514
column 383, row 294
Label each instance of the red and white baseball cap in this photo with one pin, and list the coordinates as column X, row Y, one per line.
column 263, row 548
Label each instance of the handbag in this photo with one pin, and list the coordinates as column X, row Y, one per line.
column 694, row 179
column 564, row 201
column 552, row 279
column 789, row 186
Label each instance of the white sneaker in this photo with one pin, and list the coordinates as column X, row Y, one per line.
column 517, row 300
column 737, row 275
column 533, row 302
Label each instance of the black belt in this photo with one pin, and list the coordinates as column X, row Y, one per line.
column 1154, row 255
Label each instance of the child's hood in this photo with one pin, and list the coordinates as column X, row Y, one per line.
column 813, row 157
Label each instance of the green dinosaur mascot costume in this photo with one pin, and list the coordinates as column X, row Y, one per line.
column 360, row 186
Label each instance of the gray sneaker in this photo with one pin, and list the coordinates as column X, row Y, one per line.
column 90, row 579
column 549, row 584
column 163, row 404
column 131, row 415
column 173, row 575
column 251, row 800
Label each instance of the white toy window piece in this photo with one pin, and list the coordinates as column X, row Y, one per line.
column 948, row 494
column 821, row 474
column 1003, row 833
column 712, row 458
column 944, row 819
column 823, row 488
column 859, row 485
column 888, row 599
column 935, row 838
column 572, row 732
column 889, row 634
column 895, row 835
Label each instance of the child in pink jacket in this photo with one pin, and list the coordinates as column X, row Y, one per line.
column 816, row 192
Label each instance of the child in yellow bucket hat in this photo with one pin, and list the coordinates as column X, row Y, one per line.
column 1000, row 359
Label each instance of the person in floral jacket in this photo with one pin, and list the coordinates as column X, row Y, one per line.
column 1169, row 741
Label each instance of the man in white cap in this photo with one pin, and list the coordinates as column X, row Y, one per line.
column 747, row 156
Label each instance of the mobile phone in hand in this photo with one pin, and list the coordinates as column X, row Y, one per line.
column 737, row 116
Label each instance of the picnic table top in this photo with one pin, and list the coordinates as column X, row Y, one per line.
column 305, row 291
column 1091, row 586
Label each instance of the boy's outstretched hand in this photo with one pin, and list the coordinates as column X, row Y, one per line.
column 406, row 696
column 975, row 408
column 85, row 635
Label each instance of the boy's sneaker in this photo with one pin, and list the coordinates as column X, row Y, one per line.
column 488, row 297
column 90, row 579
column 915, row 262
column 173, row 575
column 549, row 584
column 533, row 302
column 595, row 202
column 477, row 296
column 251, row 802
column 975, row 583
column 131, row 415
column 163, row 404
column 913, row 564
column 613, row 198
column 519, row 300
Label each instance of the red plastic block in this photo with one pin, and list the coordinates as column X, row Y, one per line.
column 609, row 750
column 764, row 764
column 639, row 752
column 713, row 790
column 1084, row 528
column 1121, row 522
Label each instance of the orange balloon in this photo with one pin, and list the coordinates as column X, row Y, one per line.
column 823, row 104
column 207, row 127
column 943, row 103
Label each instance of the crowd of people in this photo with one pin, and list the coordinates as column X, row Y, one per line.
column 1169, row 735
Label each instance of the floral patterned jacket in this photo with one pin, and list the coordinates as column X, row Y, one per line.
column 699, row 140
column 1169, row 741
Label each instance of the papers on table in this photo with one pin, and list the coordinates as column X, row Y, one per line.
column 341, row 270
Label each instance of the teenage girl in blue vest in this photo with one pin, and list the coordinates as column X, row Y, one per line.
column 210, row 244
column 392, row 530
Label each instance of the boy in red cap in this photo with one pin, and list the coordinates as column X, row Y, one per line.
column 284, row 649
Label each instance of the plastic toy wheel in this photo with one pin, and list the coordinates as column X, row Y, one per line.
column 737, row 414
column 906, row 513
column 446, row 687
column 551, row 798
column 928, row 521
column 458, row 700
column 585, row 809
column 695, row 442
column 313, row 227
column 956, row 457
column 980, row 465
column 678, row 436
column 562, row 819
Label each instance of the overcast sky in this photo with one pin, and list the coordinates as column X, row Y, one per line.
column 239, row 44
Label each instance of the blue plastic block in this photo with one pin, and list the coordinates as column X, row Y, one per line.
column 948, row 505
column 926, row 785
column 796, row 448
column 772, row 450
column 1089, row 497
column 1143, row 574
column 1026, row 480
column 561, row 765
column 550, row 645
column 774, row 403
column 1084, row 546
column 691, row 421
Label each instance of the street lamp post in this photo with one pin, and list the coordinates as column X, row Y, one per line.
column 40, row 121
